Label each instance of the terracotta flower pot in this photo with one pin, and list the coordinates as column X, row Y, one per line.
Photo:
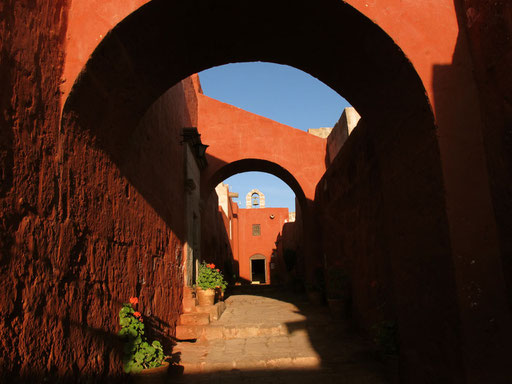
column 205, row 296
column 158, row 375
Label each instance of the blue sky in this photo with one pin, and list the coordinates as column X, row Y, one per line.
column 281, row 93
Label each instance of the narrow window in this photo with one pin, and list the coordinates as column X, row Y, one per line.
column 256, row 230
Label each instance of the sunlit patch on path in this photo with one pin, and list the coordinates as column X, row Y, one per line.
column 278, row 338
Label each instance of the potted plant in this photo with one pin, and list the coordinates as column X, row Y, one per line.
column 209, row 278
column 338, row 292
column 140, row 358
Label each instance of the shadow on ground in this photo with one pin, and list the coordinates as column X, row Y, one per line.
column 343, row 356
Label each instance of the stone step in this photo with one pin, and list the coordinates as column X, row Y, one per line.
column 189, row 300
column 215, row 310
column 189, row 332
column 213, row 332
column 195, row 318
column 259, row 353
column 307, row 362
column 193, row 325
column 245, row 332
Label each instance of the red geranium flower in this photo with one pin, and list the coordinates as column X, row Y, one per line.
column 134, row 300
column 137, row 314
column 212, row 266
column 218, row 270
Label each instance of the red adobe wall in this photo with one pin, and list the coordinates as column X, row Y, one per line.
column 234, row 134
column 438, row 204
column 29, row 238
column 395, row 275
column 489, row 27
column 287, row 241
column 296, row 157
column 82, row 226
column 216, row 245
column 428, row 34
column 263, row 244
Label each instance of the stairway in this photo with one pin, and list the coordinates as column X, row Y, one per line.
column 195, row 321
column 268, row 335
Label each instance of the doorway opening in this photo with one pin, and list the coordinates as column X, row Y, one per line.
column 258, row 269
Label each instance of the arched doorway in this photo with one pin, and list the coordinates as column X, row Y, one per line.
column 259, row 271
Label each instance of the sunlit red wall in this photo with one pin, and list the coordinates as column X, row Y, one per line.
column 263, row 244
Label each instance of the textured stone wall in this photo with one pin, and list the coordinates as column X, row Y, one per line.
column 31, row 56
column 84, row 224
column 216, row 246
column 387, row 229
column 489, row 28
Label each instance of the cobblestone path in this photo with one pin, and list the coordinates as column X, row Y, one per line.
column 278, row 339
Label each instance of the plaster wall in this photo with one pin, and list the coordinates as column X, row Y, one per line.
column 46, row 214
column 489, row 28
column 255, row 137
column 192, row 216
column 287, row 242
column 217, row 246
column 340, row 132
column 263, row 244
column 320, row 132
column 367, row 229
column 77, row 235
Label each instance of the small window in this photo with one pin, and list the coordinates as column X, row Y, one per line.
column 256, row 231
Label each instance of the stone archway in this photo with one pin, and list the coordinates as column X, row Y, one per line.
column 129, row 70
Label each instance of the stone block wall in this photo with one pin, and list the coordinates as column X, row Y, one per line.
column 87, row 219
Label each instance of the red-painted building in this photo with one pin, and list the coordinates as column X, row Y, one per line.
column 254, row 234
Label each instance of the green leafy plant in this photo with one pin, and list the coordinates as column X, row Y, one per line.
column 138, row 353
column 386, row 337
column 210, row 277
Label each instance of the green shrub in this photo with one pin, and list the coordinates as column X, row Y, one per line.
column 138, row 353
column 210, row 277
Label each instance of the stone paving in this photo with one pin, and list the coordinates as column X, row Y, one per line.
column 278, row 339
